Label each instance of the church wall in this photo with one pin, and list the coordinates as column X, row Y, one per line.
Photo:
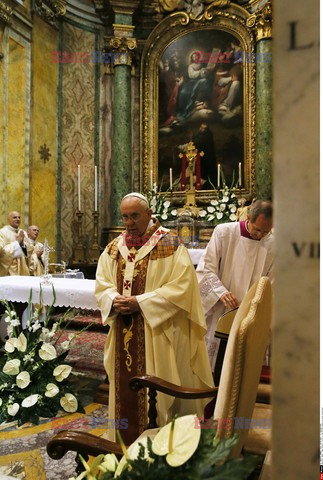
column 79, row 134
column 15, row 120
column 43, row 191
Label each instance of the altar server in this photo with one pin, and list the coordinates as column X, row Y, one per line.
column 237, row 255
column 147, row 291
column 14, row 252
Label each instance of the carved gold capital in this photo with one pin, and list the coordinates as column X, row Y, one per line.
column 123, row 49
column 5, row 13
column 264, row 22
column 50, row 10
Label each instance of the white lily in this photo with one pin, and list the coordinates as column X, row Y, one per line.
column 202, row 213
column 10, row 345
column 61, row 372
column 69, row 403
column 23, row 379
column 22, row 343
column 11, row 367
column 12, row 409
column 30, row 401
column 222, row 207
column 47, row 352
column 178, row 440
column 233, row 217
column 214, row 203
column 210, row 209
column 51, row 390
column 219, row 215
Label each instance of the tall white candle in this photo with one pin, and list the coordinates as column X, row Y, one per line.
column 95, row 188
column 219, row 174
column 239, row 181
column 151, row 180
column 79, row 187
column 171, row 178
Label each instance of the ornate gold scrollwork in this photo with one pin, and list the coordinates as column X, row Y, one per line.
column 128, row 334
column 123, row 49
column 50, row 10
column 5, row 13
column 196, row 12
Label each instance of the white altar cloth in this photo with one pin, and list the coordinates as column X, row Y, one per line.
column 69, row 292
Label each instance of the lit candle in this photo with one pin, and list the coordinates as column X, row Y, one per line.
column 219, row 168
column 79, row 187
column 171, row 178
column 239, row 181
column 151, row 180
column 95, row 188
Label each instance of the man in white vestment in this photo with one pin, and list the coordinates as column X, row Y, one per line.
column 36, row 266
column 237, row 255
column 147, row 291
column 14, row 252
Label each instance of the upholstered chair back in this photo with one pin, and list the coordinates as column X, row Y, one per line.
column 242, row 364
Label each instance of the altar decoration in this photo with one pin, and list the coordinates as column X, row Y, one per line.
column 182, row 450
column 33, row 373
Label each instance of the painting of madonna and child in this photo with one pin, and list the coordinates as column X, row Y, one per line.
column 201, row 99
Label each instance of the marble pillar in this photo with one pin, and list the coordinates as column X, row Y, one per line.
column 121, row 164
column 263, row 150
column 296, row 334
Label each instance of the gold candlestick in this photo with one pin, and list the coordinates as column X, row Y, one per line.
column 94, row 252
column 79, row 256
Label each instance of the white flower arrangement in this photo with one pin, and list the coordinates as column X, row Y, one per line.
column 181, row 450
column 33, row 375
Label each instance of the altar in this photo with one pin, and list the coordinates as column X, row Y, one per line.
column 69, row 292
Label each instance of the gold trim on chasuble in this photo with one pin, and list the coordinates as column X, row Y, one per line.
column 132, row 267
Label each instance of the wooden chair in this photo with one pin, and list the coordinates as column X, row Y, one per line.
column 236, row 393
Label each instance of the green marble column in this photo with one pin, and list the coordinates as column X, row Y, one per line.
column 263, row 150
column 121, row 162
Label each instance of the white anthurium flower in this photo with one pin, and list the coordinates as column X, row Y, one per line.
column 174, row 212
column 222, row 207
column 30, row 401
column 69, row 403
column 210, row 209
column 21, row 343
column 233, row 209
column 132, row 454
column 12, row 409
column 233, row 217
column 166, row 204
column 225, row 198
column 214, row 203
column 233, row 195
column 177, row 440
column 211, row 217
column 10, row 345
column 61, row 372
column 51, row 390
column 202, row 213
column 109, row 464
column 11, row 367
column 23, row 379
column 219, row 215
column 47, row 352
column 164, row 216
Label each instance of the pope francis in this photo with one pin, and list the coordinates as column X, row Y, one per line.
column 147, row 291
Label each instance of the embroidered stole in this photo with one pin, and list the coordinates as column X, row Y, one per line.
column 132, row 267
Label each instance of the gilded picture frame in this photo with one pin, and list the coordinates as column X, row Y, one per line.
column 178, row 101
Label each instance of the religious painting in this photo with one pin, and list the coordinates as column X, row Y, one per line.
column 201, row 100
column 196, row 86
